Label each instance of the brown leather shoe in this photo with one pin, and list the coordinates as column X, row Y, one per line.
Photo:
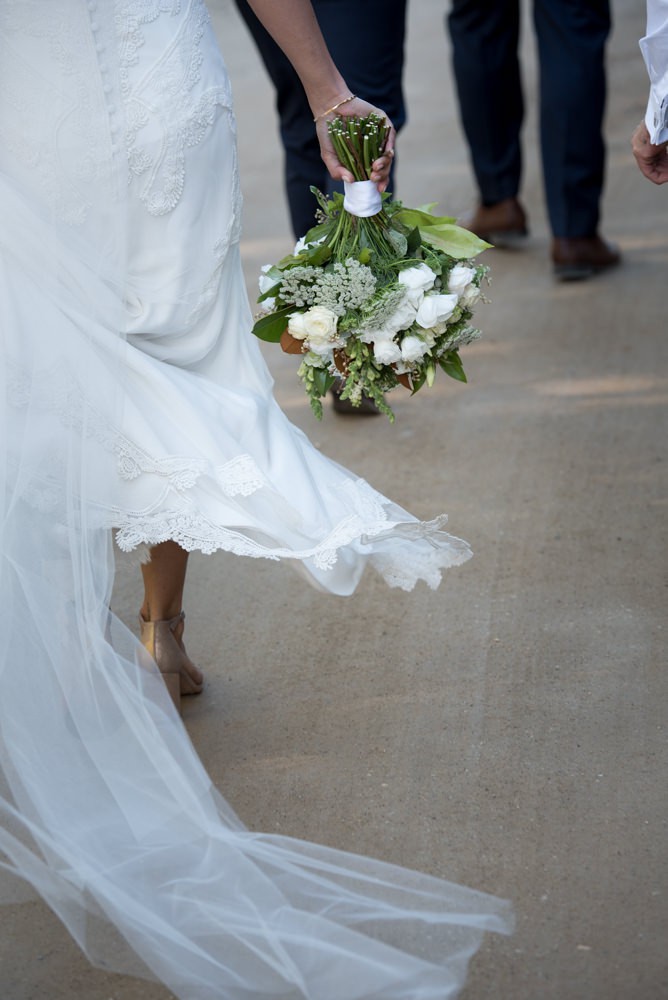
column 504, row 224
column 575, row 259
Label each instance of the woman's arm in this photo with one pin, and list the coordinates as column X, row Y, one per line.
column 293, row 26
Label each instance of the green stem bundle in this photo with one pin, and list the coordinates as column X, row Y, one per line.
column 358, row 142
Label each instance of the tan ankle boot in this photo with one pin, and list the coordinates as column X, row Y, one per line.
column 161, row 641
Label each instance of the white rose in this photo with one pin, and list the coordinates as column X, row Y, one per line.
column 296, row 327
column 470, row 296
column 402, row 318
column 417, row 280
column 323, row 350
column 412, row 348
column 301, row 244
column 320, row 325
column 386, row 352
column 460, row 278
column 435, row 309
column 265, row 281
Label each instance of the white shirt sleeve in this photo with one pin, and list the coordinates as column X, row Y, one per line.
column 654, row 47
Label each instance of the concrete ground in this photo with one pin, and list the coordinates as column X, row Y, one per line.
column 509, row 730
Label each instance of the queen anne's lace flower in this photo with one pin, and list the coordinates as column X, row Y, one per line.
column 347, row 286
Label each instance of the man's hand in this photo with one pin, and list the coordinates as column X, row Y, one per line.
column 652, row 160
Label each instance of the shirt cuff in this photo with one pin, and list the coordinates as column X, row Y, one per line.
column 656, row 119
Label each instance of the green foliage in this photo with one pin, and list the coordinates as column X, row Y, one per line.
column 271, row 326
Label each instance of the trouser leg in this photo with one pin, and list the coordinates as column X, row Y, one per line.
column 485, row 37
column 303, row 166
column 571, row 44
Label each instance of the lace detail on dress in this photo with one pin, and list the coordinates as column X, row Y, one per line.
column 76, row 116
column 400, row 566
column 165, row 99
column 238, row 477
column 181, row 474
column 59, row 392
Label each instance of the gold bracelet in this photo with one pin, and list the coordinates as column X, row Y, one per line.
column 350, row 97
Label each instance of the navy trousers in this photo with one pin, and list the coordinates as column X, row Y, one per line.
column 571, row 37
column 366, row 40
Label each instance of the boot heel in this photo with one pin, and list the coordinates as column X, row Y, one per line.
column 179, row 673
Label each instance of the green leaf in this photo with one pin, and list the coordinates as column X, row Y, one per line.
column 318, row 256
column 414, row 240
column 453, row 240
column 398, row 241
column 322, row 380
column 452, row 366
column 442, row 233
column 271, row 327
column 418, row 217
column 364, row 256
column 418, row 382
column 313, row 235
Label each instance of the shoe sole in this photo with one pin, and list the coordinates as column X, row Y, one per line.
column 507, row 239
column 579, row 272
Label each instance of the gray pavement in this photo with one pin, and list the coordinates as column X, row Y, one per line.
column 509, row 730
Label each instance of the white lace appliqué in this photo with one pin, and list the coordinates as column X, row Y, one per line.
column 165, row 99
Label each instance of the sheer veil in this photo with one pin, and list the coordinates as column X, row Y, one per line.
column 124, row 342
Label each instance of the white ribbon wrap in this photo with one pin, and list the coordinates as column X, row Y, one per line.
column 362, row 198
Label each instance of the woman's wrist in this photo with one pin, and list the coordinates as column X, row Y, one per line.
column 335, row 107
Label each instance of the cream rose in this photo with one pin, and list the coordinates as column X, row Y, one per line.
column 470, row 296
column 320, row 325
column 296, row 327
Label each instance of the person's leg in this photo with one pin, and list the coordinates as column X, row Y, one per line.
column 571, row 43
column 485, row 36
column 161, row 619
column 303, row 166
column 366, row 41
column 164, row 579
column 571, row 46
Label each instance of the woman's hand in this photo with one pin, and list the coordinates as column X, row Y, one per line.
column 293, row 26
column 381, row 167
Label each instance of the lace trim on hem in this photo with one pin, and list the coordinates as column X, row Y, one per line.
column 402, row 568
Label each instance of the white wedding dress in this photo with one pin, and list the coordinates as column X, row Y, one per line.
column 135, row 403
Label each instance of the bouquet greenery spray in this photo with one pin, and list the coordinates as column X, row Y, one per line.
column 376, row 294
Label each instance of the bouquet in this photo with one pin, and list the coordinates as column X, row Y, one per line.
column 376, row 294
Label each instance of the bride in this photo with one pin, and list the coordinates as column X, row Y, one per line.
column 136, row 411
